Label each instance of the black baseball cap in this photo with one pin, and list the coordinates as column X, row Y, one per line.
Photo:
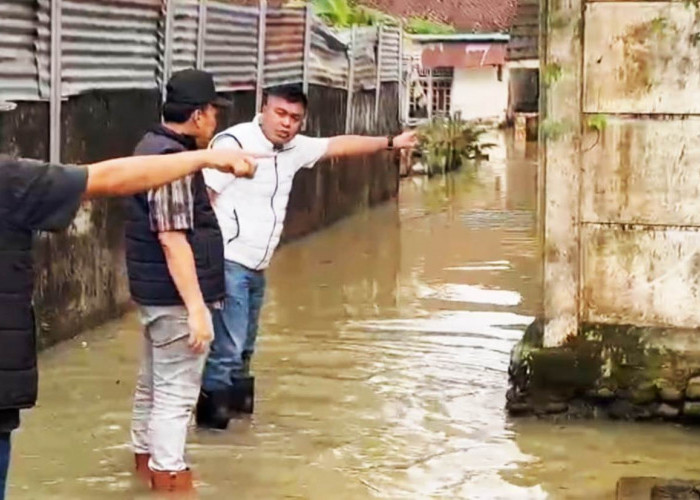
column 195, row 87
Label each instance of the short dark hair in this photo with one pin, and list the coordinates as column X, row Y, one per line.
column 176, row 112
column 291, row 93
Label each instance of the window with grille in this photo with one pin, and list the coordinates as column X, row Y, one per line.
column 442, row 92
column 442, row 96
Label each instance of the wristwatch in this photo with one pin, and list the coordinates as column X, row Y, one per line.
column 390, row 142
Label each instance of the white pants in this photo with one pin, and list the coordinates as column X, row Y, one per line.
column 167, row 388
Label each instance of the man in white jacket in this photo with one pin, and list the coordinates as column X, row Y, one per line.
column 251, row 213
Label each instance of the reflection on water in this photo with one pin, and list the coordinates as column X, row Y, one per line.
column 474, row 294
column 382, row 372
column 500, row 265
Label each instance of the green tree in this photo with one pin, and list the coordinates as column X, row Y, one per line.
column 421, row 26
column 344, row 13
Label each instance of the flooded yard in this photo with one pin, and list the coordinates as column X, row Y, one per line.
column 381, row 373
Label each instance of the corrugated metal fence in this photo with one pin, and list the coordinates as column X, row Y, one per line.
column 138, row 44
column 231, row 45
column 391, row 53
column 284, row 46
column 328, row 63
column 19, row 72
column 111, row 44
column 127, row 44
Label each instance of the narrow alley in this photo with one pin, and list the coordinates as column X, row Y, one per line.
column 382, row 371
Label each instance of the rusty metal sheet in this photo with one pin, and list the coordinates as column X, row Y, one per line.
column 364, row 53
column 328, row 63
column 642, row 276
column 365, row 58
column 284, row 46
column 643, row 171
column 464, row 55
column 231, row 42
column 641, row 57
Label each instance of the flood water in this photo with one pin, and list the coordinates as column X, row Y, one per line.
column 381, row 372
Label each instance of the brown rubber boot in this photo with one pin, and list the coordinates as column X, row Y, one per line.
column 171, row 482
column 142, row 470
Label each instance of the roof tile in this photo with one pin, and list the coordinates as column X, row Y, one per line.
column 465, row 15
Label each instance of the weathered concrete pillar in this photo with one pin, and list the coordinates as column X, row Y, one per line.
column 621, row 214
column 561, row 131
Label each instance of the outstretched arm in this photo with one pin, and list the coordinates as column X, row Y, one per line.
column 124, row 176
column 357, row 145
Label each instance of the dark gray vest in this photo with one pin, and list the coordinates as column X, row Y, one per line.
column 149, row 279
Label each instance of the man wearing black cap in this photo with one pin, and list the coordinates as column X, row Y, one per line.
column 175, row 262
column 39, row 196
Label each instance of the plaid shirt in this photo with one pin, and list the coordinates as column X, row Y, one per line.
column 171, row 207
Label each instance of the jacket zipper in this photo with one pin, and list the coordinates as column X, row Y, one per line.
column 238, row 226
column 274, row 214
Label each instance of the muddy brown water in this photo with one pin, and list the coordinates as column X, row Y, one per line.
column 381, row 373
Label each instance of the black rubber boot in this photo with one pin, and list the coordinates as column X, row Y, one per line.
column 213, row 410
column 242, row 395
column 247, row 360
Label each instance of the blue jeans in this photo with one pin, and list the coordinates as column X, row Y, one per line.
column 4, row 461
column 235, row 327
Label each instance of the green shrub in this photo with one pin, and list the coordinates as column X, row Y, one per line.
column 447, row 143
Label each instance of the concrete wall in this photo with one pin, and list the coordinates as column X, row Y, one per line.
column 335, row 189
column 620, row 212
column 81, row 274
column 478, row 94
